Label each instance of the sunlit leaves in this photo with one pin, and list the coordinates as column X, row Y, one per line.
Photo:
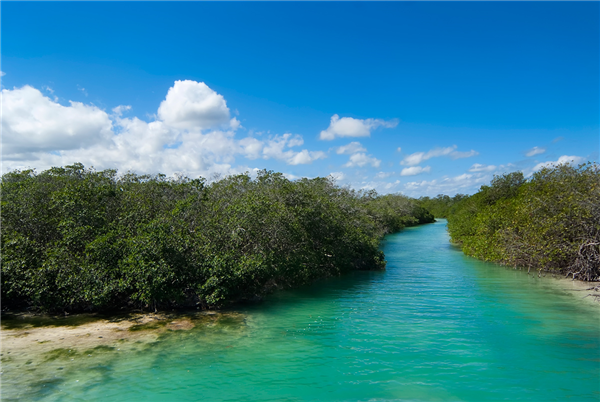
column 77, row 239
column 549, row 222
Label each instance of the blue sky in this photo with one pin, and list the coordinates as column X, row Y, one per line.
column 420, row 98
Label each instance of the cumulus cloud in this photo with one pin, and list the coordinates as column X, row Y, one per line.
column 251, row 147
column 304, row 157
column 119, row 110
column 361, row 159
column 477, row 167
column 415, row 170
column 382, row 187
column 234, row 124
column 565, row 159
column 191, row 135
column 418, row 157
column 193, row 105
column 535, row 151
column 351, row 148
column 277, row 148
column 383, row 175
column 447, row 185
column 350, row 127
column 32, row 122
column 338, row 176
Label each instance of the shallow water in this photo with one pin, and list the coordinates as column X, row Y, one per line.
column 435, row 326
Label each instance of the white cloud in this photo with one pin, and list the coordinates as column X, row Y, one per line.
column 304, row 157
column 82, row 90
column 119, row 110
column 40, row 133
column 2, row 73
column 482, row 168
column 382, row 187
column 418, row 157
column 251, row 147
column 291, row 176
column 350, row 127
column 295, row 141
column 34, row 123
column 351, row 148
column 234, row 124
column 274, row 148
column 415, row 170
column 192, row 105
column 420, row 184
column 399, row 149
column 465, row 183
column 535, row 151
column 460, row 155
column 383, row 175
column 338, row 176
column 389, row 186
column 565, row 159
column 361, row 160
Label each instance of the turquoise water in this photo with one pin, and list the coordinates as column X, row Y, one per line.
column 435, row 326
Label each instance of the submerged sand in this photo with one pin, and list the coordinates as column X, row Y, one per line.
column 34, row 348
column 587, row 292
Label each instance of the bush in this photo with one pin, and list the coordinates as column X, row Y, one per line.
column 77, row 239
column 550, row 222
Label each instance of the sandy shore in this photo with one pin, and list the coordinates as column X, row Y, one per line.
column 23, row 336
column 34, row 348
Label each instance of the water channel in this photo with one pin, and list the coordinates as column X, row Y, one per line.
column 434, row 326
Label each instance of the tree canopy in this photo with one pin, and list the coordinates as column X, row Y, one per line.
column 549, row 222
column 78, row 239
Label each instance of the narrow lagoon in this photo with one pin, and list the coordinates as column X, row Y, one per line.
column 434, row 326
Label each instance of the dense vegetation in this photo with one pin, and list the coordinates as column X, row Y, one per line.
column 77, row 239
column 441, row 205
column 550, row 222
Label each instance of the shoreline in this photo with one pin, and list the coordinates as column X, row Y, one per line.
column 35, row 350
column 39, row 350
column 23, row 331
column 38, row 333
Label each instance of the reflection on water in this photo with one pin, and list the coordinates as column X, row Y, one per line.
column 435, row 326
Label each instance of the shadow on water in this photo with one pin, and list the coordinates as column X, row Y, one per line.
column 26, row 320
column 11, row 321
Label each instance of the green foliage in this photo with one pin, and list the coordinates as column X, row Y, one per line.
column 77, row 239
column 549, row 222
column 441, row 205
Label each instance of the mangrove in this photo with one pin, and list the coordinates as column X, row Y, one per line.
column 77, row 239
column 548, row 222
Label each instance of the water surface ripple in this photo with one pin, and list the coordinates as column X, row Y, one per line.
column 435, row 326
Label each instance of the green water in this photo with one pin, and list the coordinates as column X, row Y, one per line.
column 435, row 326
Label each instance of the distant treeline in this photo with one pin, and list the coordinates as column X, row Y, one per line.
column 78, row 239
column 550, row 222
column 441, row 205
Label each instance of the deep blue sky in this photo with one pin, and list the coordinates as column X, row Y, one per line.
column 496, row 78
